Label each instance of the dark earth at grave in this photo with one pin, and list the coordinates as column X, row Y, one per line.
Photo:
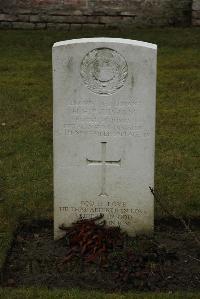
column 92, row 256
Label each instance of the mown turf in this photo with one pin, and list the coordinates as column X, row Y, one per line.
column 26, row 122
column 77, row 294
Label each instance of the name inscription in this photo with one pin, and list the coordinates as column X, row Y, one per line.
column 100, row 118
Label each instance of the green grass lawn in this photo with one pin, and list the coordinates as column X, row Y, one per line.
column 26, row 124
column 32, row 293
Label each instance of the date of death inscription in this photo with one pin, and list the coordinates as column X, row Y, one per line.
column 115, row 212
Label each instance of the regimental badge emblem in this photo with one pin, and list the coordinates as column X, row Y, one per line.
column 104, row 71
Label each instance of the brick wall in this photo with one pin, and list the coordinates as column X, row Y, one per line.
column 69, row 14
column 196, row 13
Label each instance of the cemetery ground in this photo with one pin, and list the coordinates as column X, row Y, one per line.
column 26, row 188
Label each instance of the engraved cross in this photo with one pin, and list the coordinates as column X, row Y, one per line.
column 103, row 162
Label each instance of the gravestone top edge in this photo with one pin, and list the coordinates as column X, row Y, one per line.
column 106, row 40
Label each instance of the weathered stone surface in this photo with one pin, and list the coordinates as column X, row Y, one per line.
column 60, row 26
column 63, row 19
column 76, row 26
column 24, row 18
column 40, row 25
column 8, row 18
column 196, row 22
column 19, row 10
column 51, row 25
column 127, row 13
column 53, row 19
column 76, row 19
column 145, row 13
column 128, row 20
column 93, row 26
column 5, row 25
column 23, row 25
column 113, row 26
column 35, row 18
column 196, row 5
column 104, row 131
column 110, row 20
column 93, row 19
column 196, row 13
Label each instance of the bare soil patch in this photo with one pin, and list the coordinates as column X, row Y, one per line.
column 167, row 261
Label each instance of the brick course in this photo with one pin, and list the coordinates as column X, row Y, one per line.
column 77, row 14
column 196, row 13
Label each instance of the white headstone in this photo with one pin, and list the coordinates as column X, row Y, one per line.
column 104, row 132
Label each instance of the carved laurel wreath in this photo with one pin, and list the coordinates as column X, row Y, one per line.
column 104, row 71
